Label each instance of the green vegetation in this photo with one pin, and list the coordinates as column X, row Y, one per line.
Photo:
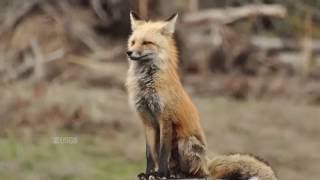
column 90, row 158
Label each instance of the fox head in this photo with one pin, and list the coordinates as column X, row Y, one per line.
column 151, row 41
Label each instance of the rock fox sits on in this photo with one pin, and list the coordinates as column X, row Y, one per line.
column 175, row 140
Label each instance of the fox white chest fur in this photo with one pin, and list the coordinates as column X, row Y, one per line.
column 141, row 83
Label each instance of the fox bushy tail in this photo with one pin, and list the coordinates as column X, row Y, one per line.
column 239, row 167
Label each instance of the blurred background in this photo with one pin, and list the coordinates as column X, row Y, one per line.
column 251, row 66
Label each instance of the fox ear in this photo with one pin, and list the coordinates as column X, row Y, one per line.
column 135, row 20
column 171, row 23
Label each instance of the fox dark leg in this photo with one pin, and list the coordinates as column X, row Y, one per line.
column 150, row 162
column 152, row 143
column 165, row 147
column 151, row 149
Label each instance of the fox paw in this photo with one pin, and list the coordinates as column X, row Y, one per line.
column 156, row 177
column 174, row 176
column 142, row 176
column 153, row 176
column 150, row 176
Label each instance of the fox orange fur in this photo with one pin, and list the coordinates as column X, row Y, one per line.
column 175, row 140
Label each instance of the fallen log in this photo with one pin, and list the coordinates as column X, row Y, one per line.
column 233, row 14
column 266, row 43
column 276, row 44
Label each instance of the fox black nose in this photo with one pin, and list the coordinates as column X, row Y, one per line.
column 129, row 53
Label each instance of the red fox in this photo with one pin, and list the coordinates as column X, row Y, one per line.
column 175, row 140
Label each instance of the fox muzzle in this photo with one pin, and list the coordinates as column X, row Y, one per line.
column 135, row 56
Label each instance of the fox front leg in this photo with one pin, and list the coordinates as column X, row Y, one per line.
column 150, row 169
column 165, row 148
column 151, row 165
column 152, row 143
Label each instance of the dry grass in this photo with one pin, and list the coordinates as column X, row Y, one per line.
column 283, row 133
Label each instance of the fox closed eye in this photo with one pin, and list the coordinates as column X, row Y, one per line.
column 143, row 43
column 147, row 42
